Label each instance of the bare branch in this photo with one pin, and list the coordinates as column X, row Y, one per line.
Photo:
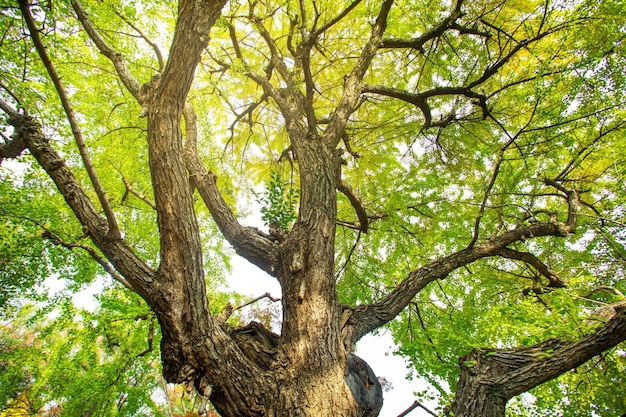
column 150, row 340
column 483, row 204
column 5, row 106
column 496, row 169
column 249, row 110
column 352, row 249
column 413, row 407
column 229, row 310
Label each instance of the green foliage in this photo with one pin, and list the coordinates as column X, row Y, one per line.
column 278, row 202
column 102, row 362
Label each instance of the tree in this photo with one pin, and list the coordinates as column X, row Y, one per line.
column 457, row 168
column 101, row 365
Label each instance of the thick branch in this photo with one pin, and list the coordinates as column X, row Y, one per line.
column 561, row 360
column 247, row 241
column 489, row 378
column 191, row 37
column 369, row 317
column 420, row 100
column 14, row 147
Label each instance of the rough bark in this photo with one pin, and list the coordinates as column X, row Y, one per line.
column 489, row 378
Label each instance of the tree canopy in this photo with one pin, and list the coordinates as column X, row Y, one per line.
column 451, row 171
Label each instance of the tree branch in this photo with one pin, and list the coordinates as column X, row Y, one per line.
column 53, row 237
column 118, row 60
column 372, row 316
column 413, row 407
column 16, row 145
column 490, row 377
column 113, row 231
column 247, row 241
column 133, row 191
column 419, row 42
column 420, row 100
column 335, row 129
column 345, row 189
column 554, row 281
column 560, row 360
column 135, row 271
column 317, row 32
column 150, row 42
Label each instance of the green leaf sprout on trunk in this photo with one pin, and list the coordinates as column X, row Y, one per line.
column 278, row 202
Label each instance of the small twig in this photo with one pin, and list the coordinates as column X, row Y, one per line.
column 345, row 264
column 259, row 298
column 130, row 189
column 554, row 281
column 150, row 340
column 229, row 310
column 152, row 44
column 56, row 239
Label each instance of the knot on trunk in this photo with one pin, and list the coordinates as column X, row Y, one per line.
column 257, row 343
